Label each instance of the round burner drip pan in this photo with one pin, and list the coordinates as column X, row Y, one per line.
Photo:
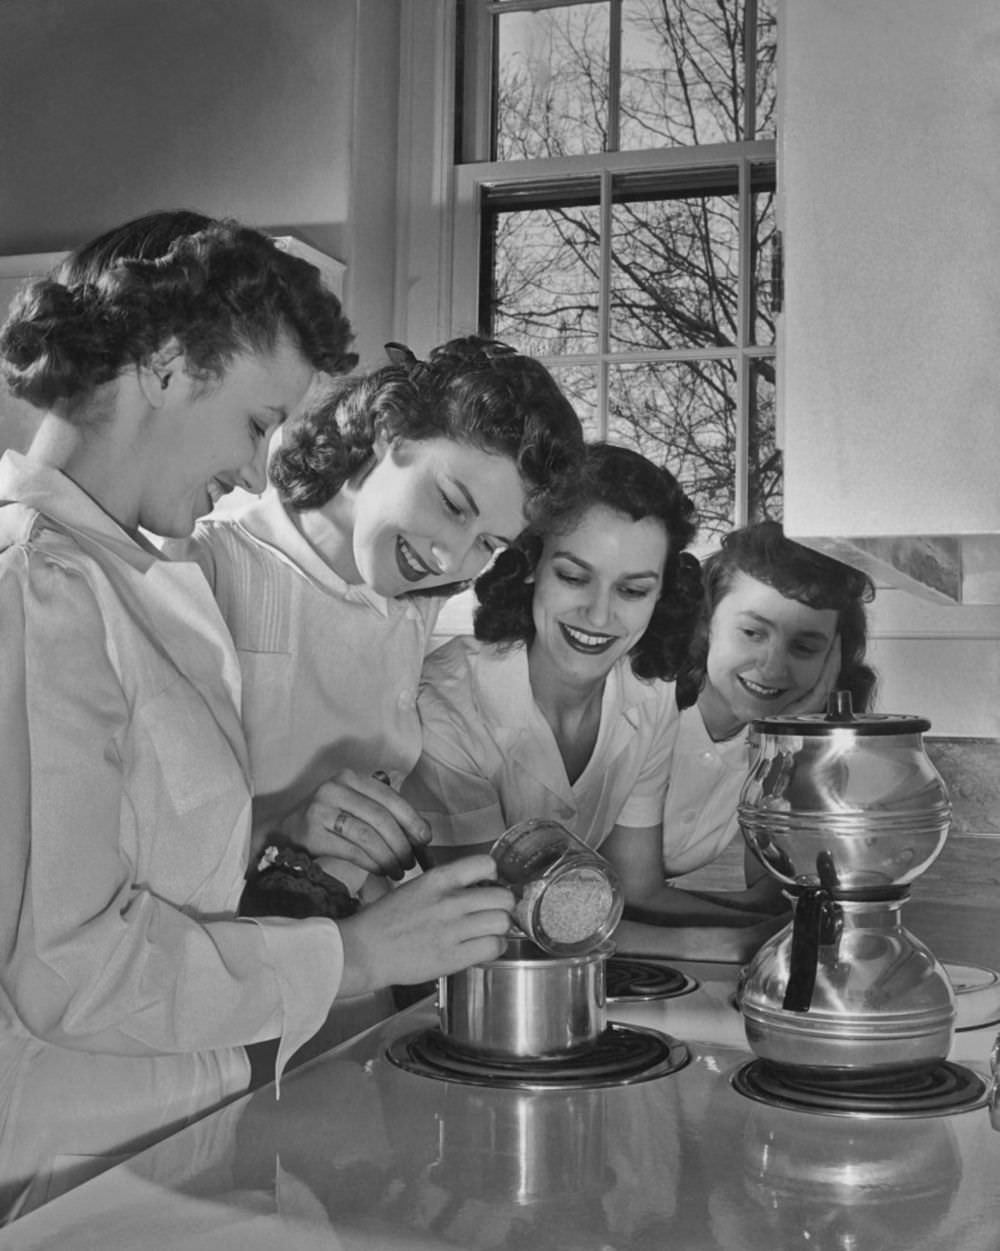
column 622, row 1055
column 636, row 979
column 937, row 1090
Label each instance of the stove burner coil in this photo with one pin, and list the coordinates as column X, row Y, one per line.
column 621, row 1056
column 933, row 1090
column 635, row 979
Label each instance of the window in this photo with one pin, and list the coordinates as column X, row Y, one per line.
column 615, row 217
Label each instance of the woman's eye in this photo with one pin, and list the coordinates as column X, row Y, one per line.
column 258, row 430
column 635, row 592
column 750, row 634
column 570, row 578
column 453, row 509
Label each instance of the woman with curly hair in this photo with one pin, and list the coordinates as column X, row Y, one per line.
column 391, row 491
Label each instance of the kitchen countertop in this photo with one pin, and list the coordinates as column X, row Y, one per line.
column 360, row 1155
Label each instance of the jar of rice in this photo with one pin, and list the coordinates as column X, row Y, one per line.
column 568, row 898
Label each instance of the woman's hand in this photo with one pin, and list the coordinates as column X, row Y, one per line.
column 438, row 923
column 356, row 818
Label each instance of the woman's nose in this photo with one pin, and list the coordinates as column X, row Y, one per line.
column 458, row 556
column 253, row 475
column 599, row 606
column 774, row 663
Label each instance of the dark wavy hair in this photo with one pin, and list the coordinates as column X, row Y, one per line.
column 763, row 552
column 620, row 479
column 473, row 390
column 216, row 287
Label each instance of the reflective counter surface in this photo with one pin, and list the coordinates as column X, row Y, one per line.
column 360, row 1154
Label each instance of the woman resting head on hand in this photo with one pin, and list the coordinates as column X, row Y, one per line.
column 163, row 357
column 780, row 627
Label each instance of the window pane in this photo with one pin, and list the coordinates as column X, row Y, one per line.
column 674, row 272
column 765, row 479
column 545, row 279
column 552, row 82
column 579, row 384
column 765, row 95
column 762, row 243
column 682, row 73
column 682, row 415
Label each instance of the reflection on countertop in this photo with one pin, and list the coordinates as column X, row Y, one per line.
column 360, row 1154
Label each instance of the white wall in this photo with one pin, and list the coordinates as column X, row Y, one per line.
column 940, row 661
column 889, row 388
column 279, row 112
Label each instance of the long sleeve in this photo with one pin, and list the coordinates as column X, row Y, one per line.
column 126, row 820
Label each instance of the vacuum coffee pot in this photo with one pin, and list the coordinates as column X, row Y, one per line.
column 845, row 810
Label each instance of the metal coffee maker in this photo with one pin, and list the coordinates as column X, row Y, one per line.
column 845, row 810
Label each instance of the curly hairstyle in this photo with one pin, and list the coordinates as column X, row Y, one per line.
column 763, row 552
column 472, row 390
column 623, row 480
column 216, row 287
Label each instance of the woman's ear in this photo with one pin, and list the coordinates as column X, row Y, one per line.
column 161, row 372
column 382, row 442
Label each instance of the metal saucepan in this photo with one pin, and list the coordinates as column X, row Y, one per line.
column 526, row 1005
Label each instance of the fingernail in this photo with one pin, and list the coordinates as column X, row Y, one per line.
column 422, row 857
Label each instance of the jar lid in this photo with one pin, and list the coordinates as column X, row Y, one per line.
column 840, row 716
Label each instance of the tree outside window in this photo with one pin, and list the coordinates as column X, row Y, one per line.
column 622, row 172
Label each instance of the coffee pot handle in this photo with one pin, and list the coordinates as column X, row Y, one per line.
column 817, row 922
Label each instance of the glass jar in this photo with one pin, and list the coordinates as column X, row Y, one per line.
column 568, row 898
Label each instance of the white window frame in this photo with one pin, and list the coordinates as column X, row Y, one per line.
column 438, row 229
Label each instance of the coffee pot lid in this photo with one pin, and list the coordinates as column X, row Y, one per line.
column 840, row 716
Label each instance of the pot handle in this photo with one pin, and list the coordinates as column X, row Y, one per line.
column 818, row 921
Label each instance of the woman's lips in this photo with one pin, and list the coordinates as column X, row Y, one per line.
column 761, row 692
column 217, row 490
column 586, row 641
column 410, row 566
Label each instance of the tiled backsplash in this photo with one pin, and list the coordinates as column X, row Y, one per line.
column 971, row 771
column 959, row 895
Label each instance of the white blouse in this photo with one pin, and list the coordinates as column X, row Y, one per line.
column 330, row 670
column 490, row 758
column 126, row 803
column 699, row 815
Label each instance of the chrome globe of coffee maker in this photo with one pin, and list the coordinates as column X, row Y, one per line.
column 845, row 810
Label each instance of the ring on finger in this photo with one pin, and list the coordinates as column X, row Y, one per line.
column 339, row 822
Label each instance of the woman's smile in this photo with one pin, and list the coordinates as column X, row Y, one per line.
column 409, row 564
column 761, row 692
column 586, row 641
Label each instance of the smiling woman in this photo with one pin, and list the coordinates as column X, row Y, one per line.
column 556, row 708
column 391, row 491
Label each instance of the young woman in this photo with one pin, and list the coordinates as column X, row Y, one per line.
column 123, row 968
column 780, row 627
column 395, row 489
